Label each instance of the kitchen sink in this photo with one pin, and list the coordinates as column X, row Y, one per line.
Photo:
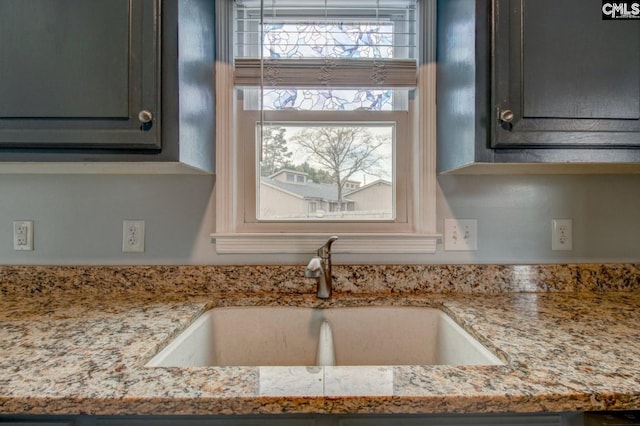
column 297, row 336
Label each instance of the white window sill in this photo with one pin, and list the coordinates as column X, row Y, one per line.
column 282, row 243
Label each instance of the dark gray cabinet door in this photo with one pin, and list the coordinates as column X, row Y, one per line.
column 564, row 77
column 79, row 74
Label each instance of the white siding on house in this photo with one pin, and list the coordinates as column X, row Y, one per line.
column 376, row 197
column 275, row 203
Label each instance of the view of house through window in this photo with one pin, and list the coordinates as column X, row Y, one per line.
column 326, row 171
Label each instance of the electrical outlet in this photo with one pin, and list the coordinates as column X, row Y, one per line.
column 133, row 236
column 460, row 234
column 561, row 234
column 23, row 235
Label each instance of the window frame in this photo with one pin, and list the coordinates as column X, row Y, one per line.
column 248, row 168
column 234, row 234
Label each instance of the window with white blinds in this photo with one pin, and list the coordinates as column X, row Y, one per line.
column 331, row 106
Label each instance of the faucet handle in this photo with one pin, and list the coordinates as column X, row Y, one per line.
column 314, row 268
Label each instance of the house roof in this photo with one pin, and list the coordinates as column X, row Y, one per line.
column 369, row 185
column 324, row 191
column 281, row 171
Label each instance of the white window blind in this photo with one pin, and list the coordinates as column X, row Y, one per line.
column 325, row 43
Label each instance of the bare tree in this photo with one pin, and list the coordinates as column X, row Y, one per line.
column 343, row 151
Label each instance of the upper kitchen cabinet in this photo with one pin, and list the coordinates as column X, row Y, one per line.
column 107, row 86
column 80, row 74
column 537, row 86
column 563, row 76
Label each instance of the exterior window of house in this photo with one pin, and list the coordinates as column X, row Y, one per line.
column 337, row 96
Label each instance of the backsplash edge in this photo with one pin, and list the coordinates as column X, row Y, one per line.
column 353, row 279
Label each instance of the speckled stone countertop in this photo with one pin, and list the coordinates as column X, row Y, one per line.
column 75, row 340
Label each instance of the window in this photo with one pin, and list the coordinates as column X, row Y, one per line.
column 325, row 124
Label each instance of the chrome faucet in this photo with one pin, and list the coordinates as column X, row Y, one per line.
column 319, row 267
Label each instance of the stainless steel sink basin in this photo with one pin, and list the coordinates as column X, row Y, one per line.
column 291, row 336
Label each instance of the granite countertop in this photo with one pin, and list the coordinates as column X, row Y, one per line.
column 82, row 350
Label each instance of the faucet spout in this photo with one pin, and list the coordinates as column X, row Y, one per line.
column 319, row 267
column 325, row 251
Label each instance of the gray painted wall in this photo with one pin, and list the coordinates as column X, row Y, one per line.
column 78, row 219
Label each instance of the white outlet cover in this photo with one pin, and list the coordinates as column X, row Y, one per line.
column 461, row 234
column 561, row 235
column 132, row 236
column 23, row 235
